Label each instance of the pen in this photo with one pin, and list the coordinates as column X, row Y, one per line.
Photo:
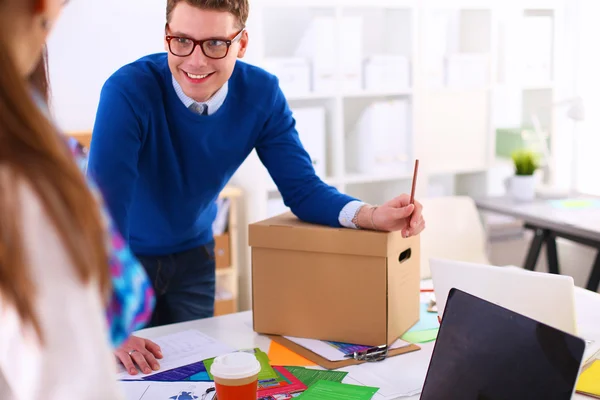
column 372, row 350
column 208, row 391
column 414, row 182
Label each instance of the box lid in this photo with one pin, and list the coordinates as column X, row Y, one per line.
column 287, row 232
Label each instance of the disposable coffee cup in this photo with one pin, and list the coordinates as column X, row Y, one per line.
column 236, row 376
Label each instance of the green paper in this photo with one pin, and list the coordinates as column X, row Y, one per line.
column 266, row 371
column 311, row 376
column 326, row 390
column 575, row 203
column 421, row 336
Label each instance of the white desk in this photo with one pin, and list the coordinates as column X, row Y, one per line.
column 236, row 329
column 548, row 223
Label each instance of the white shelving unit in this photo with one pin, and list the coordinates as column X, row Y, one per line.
column 227, row 283
column 388, row 28
column 453, row 101
column 535, row 28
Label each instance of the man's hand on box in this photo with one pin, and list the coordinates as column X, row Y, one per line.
column 395, row 215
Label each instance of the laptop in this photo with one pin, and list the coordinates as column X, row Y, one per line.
column 547, row 298
column 487, row 352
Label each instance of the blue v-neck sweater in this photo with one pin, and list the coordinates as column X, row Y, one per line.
column 161, row 167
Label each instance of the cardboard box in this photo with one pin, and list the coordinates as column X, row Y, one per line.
column 83, row 137
column 222, row 251
column 224, row 307
column 346, row 285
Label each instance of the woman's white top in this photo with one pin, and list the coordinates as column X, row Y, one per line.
column 76, row 361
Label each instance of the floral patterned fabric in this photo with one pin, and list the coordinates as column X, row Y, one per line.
column 132, row 300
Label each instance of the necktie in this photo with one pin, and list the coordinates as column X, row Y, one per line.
column 201, row 109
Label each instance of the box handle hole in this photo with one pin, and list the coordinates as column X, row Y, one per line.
column 405, row 255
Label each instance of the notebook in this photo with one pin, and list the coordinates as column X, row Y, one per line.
column 589, row 380
column 487, row 352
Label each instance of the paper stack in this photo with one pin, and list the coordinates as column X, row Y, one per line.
column 381, row 141
column 395, row 377
column 321, row 43
column 387, row 73
column 467, row 71
column 310, row 124
column 220, row 223
column 334, row 351
column 293, row 74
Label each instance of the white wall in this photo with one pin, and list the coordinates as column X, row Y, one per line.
column 588, row 85
column 91, row 40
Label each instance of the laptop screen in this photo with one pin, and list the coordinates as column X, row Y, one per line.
column 486, row 352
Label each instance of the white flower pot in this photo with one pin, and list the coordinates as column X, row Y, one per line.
column 522, row 187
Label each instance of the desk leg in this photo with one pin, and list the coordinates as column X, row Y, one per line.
column 535, row 248
column 594, row 279
column 552, row 254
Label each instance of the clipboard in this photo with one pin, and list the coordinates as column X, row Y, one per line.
column 330, row 365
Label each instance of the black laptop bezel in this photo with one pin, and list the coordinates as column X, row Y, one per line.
column 451, row 295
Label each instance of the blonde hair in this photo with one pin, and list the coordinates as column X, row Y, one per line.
column 239, row 8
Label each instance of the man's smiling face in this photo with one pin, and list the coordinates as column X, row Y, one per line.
column 200, row 76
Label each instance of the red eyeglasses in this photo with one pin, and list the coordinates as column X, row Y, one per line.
column 215, row 48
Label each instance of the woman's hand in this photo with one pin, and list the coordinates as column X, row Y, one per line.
column 141, row 352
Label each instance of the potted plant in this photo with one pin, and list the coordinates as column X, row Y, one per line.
column 522, row 185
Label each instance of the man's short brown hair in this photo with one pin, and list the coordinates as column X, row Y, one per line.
column 239, row 8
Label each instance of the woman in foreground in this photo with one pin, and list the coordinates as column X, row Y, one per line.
column 55, row 241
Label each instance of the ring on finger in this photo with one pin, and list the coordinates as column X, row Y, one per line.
column 131, row 352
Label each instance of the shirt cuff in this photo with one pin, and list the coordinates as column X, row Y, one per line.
column 348, row 212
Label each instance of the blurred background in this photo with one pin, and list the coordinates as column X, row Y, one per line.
column 375, row 84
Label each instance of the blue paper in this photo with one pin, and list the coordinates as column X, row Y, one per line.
column 184, row 373
column 427, row 320
column 200, row 377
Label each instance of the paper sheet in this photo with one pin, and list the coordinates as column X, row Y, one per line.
column 184, row 373
column 319, row 347
column 284, row 387
column 589, row 380
column 142, row 390
column 421, row 336
column 220, row 223
column 398, row 376
column 181, row 349
column 281, row 355
column 378, row 395
column 266, row 371
column 426, row 321
column 327, row 390
column 330, row 352
column 311, row 376
column 575, row 204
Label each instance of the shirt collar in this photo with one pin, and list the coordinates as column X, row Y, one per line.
column 213, row 104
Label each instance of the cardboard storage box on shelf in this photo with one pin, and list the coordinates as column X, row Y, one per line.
column 222, row 251
column 83, row 137
column 224, row 307
column 338, row 284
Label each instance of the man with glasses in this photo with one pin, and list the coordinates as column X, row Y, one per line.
column 171, row 130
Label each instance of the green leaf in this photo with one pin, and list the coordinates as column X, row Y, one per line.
column 526, row 162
